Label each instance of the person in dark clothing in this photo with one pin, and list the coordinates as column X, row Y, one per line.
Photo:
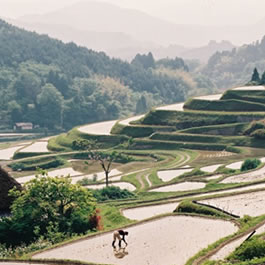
column 120, row 235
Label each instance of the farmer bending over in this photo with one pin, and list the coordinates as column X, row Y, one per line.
column 120, row 235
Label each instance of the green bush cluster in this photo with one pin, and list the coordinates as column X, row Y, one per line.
column 250, row 164
column 48, row 208
column 254, row 248
column 188, row 206
column 112, row 193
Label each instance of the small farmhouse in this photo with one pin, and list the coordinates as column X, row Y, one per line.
column 21, row 126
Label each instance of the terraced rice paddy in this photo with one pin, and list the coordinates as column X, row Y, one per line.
column 141, row 213
column 211, row 169
column 8, row 153
column 235, row 165
column 167, row 241
column 256, row 175
column 58, row 172
column 185, row 186
column 167, row 175
column 100, row 128
column 251, row 204
column 37, row 147
column 213, row 177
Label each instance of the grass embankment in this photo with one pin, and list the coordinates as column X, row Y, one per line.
column 228, row 105
column 149, row 144
column 45, row 162
column 222, row 129
column 63, row 142
column 139, row 130
column 257, row 96
column 208, row 139
column 188, row 119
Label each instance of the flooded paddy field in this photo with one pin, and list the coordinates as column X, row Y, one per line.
column 167, row 241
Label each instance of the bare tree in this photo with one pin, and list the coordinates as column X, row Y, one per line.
column 105, row 161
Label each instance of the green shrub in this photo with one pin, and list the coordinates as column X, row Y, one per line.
column 112, row 193
column 258, row 134
column 83, row 144
column 254, row 248
column 250, row 164
column 9, row 252
column 188, row 206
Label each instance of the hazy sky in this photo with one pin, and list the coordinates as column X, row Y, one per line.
column 215, row 12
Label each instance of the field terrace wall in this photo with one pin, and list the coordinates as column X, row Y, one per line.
column 224, row 105
column 188, row 119
column 140, row 130
column 257, row 96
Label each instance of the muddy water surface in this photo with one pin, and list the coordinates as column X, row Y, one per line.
column 236, row 165
column 58, row 172
column 247, row 177
column 210, row 169
column 167, row 175
column 7, row 154
column 37, row 147
column 180, row 187
column 167, row 241
column 102, row 128
column 141, row 213
column 244, row 204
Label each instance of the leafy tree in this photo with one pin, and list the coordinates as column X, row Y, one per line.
column 141, row 106
column 48, row 205
column 15, row 110
column 262, row 80
column 27, row 87
column 50, row 104
column 146, row 61
column 255, row 76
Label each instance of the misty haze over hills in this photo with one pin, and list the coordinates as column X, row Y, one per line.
column 124, row 32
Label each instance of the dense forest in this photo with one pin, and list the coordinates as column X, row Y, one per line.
column 57, row 86
column 232, row 68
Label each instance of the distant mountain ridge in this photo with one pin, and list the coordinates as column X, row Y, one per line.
column 130, row 32
column 105, row 17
